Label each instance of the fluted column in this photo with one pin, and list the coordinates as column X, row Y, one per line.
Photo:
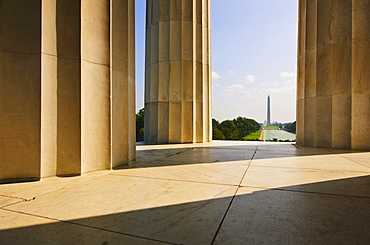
column 68, row 53
column 178, row 71
column 361, row 74
column 123, row 120
column 341, row 32
column 301, row 72
column 67, row 87
column 20, row 89
column 333, row 103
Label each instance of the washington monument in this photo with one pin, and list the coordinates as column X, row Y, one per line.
column 268, row 111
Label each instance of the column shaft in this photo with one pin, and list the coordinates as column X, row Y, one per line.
column 95, row 85
column 20, row 89
column 301, row 72
column 67, row 77
column 342, row 69
column 361, row 74
column 49, row 108
column 310, row 73
column 324, row 72
column 178, row 90
column 122, row 82
column 333, row 94
column 68, row 43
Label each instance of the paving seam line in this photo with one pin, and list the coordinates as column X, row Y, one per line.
column 232, row 199
column 87, row 226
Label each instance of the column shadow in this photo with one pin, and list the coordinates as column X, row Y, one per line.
column 255, row 216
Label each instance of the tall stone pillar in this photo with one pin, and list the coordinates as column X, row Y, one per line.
column 361, row 74
column 178, row 71
column 341, row 32
column 68, row 52
column 49, row 88
column 67, row 87
column 301, row 72
column 20, row 89
column 95, row 85
column 122, row 65
column 333, row 104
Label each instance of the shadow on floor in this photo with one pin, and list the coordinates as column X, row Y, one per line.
column 253, row 216
column 169, row 156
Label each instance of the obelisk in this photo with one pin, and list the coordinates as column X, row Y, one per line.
column 268, row 111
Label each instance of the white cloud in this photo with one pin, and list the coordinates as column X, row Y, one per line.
column 231, row 72
column 215, row 75
column 280, row 90
column 290, row 82
column 247, row 96
column 250, row 79
column 234, row 87
column 272, row 83
column 286, row 74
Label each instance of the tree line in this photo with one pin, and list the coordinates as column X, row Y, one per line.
column 290, row 127
column 140, row 125
column 234, row 129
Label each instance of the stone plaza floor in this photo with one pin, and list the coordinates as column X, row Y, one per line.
column 214, row 193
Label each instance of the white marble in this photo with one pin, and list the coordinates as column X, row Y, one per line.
column 180, row 194
column 19, row 229
column 264, row 216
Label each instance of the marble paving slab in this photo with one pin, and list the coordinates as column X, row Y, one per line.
column 259, row 216
column 19, row 229
column 157, row 209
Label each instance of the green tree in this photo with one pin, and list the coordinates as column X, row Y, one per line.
column 245, row 126
column 229, row 129
column 216, row 132
column 140, row 125
column 290, row 127
column 234, row 129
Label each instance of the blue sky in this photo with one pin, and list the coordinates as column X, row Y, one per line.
column 254, row 51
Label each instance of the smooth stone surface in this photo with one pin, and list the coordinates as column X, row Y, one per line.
column 162, row 211
column 219, row 165
column 323, row 162
column 268, row 192
column 30, row 190
column 17, row 228
column 260, row 216
column 229, row 173
column 303, row 179
column 6, row 200
column 361, row 158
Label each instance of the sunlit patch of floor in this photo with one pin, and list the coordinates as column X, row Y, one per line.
column 213, row 193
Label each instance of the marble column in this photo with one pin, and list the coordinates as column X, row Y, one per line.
column 67, row 87
column 178, row 71
column 20, row 89
column 49, row 88
column 341, row 74
column 95, row 85
column 301, row 72
column 333, row 105
column 68, row 52
column 122, row 60
column 361, row 74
